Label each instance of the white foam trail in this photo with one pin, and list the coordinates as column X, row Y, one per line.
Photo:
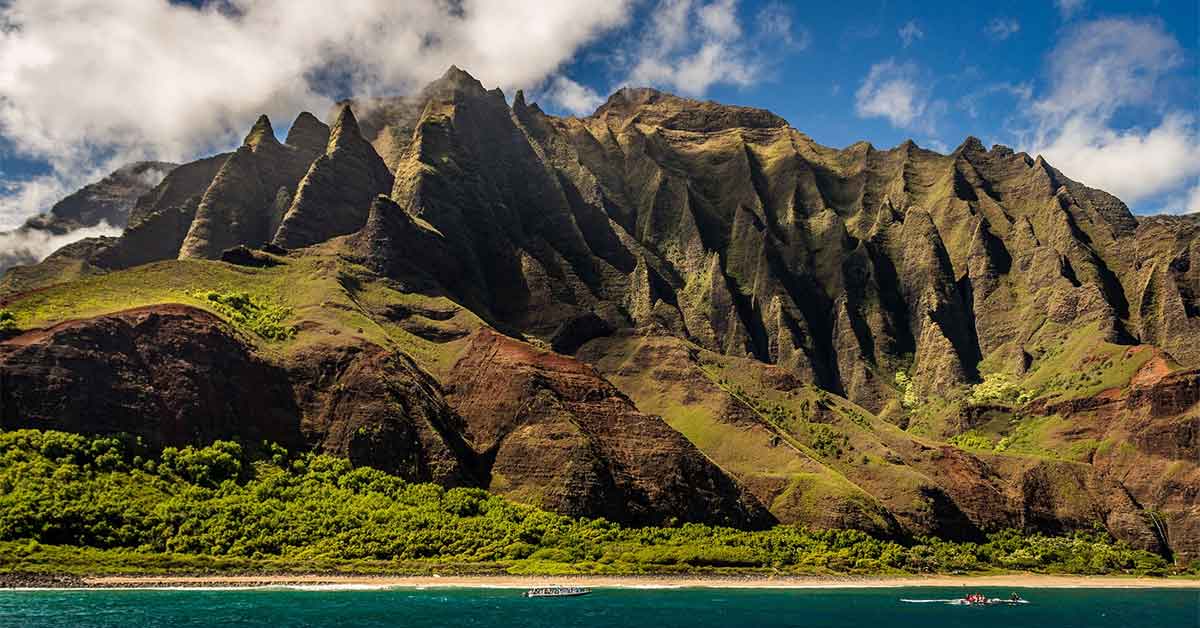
column 333, row 587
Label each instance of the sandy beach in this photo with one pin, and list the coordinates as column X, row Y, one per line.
column 730, row 582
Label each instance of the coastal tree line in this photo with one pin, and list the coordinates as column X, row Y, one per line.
column 111, row 504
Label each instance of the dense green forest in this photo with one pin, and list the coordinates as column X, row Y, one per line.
column 78, row 504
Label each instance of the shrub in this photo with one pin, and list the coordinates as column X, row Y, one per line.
column 972, row 440
column 8, row 322
column 908, row 392
column 998, row 388
column 251, row 313
column 827, row 440
column 206, row 466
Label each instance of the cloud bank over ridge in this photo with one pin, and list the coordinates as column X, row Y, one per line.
column 87, row 85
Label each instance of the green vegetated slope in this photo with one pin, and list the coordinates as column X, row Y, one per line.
column 282, row 308
column 811, row 457
column 982, row 460
column 107, row 505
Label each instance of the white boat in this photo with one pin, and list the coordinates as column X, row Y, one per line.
column 974, row 599
column 556, row 591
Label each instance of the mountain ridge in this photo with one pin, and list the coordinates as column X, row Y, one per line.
column 894, row 340
column 105, row 204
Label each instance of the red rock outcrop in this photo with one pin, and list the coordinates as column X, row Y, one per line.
column 376, row 408
column 544, row 427
column 170, row 374
column 1150, row 449
column 557, row 434
column 175, row 375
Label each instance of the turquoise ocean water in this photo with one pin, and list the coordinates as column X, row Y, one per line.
column 651, row 608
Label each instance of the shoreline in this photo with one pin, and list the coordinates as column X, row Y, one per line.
column 1014, row 580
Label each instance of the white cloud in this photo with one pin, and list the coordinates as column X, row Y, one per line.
column 690, row 46
column 1001, row 28
column 720, row 19
column 33, row 245
column 910, row 32
column 895, row 92
column 1068, row 8
column 1106, row 64
column 151, row 177
column 1099, row 69
column 1133, row 164
column 28, row 197
column 580, row 100
column 89, row 84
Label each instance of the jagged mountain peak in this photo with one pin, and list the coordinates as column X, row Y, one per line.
column 345, row 129
column 632, row 96
column 334, row 196
column 261, row 133
column 308, row 133
column 524, row 109
column 970, row 145
column 456, row 84
column 458, row 76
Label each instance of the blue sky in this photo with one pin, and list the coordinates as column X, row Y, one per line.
column 1109, row 91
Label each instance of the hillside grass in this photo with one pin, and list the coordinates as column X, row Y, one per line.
column 305, row 299
column 1068, row 364
column 762, row 452
column 1083, row 365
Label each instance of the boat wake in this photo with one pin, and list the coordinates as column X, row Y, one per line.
column 969, row 602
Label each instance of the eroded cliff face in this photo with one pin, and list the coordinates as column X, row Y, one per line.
column 721, row 225
column 554, row 433
column 1165, row 297
column 1149, row 435
column 692, row 311
column 169, row 374
column 726, row 227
